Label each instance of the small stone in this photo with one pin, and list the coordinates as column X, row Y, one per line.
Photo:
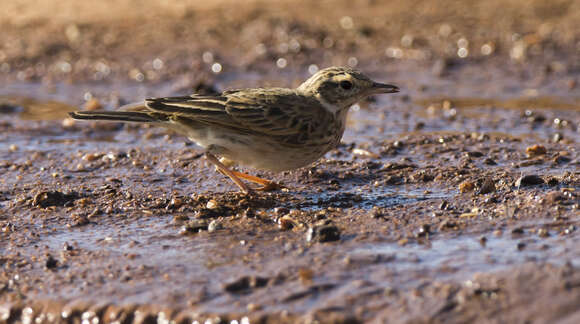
column 53, row 198
column 194, row 226
column 212, row 204
column 67, row 247
column 403, row 241
column 214, row 225
column 175, row 202
column 529, row 180
column 474, row 154
column 286, row 223
column 50, row 263
column 281, row 210
column 561, row 159
column 423, row 231
column 253, row 307
column 554, row 197
column 305, row 275
column 483, row 240
column 78, row 220
column 91, row 156
column 518, row 231
column 553, row 181
column 542, row 232
column 323, row 233
column 466, row 186
column 489, row 161
column 448, row 224
column 488, row 186
column 245, row 283
column 535, row 150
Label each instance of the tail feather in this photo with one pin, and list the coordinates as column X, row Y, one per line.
column 126, row 116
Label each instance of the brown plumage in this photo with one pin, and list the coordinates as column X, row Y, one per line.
column 272, row 129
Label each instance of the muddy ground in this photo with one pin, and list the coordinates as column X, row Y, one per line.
column 454, row 201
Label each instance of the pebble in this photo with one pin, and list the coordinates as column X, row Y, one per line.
column 529, row 180
column 286, row 223
column 212, row 204
column 535, row 150
column 92, row 156
column 323, row 232
column 214, row 225
column 50, row 263
column 194, row 226
column 488, row 186
column 542, row 232
column 489, row 161
column 423, row 231
column 466, row 186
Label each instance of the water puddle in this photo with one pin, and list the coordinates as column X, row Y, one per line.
column 460, row 257
column 367, row 198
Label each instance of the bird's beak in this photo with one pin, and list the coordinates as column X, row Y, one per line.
column 384, row 88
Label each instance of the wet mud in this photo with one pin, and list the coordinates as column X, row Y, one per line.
column 454, row 201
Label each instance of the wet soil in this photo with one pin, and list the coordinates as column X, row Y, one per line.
column 454, row 201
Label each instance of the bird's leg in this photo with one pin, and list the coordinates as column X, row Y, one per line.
column 223, row 169
column 267, row 185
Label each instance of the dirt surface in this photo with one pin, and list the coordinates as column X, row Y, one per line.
column 454, row 201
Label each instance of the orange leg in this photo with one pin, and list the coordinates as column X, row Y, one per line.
column 267, row 185
column 223, row 169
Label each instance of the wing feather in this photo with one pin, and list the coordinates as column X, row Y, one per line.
column 273, row 112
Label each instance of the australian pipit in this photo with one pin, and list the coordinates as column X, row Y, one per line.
column 274, row 129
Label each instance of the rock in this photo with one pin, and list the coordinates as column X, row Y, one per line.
column 244, row 283
column 52, row 198
column 323, row 232
column 214, row 225
column 194, row 226
column 466, row 186
column 535, row 150
column 488, row 186
column 553, row 197
column 489, row 161
column 561, row 159
column 529, row 180
column 423, row 231
column 50, row 263
column 474, row 154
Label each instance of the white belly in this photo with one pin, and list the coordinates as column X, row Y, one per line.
column 257, row 152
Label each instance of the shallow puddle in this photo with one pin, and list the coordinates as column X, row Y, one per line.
column 460, row 257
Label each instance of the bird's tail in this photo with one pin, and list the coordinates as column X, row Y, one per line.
column 125, row 116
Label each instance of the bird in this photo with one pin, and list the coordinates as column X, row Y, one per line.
column 272, row 129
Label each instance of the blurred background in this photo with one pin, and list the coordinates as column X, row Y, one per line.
column 151, row 41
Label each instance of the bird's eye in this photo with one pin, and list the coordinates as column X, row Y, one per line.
column 346, row 85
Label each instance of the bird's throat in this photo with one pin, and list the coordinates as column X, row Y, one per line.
column 331, row 108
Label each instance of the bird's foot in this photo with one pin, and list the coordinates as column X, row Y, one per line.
column 267, row 185
column 271, row 186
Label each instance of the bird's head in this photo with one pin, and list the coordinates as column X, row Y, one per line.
column 338, row 88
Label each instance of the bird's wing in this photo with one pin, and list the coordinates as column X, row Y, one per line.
column 268, row 111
